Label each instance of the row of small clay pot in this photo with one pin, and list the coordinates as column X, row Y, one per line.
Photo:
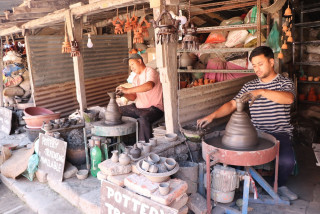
column 59, row 123
column 149, row 164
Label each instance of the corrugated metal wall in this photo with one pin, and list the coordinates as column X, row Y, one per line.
column 200, row 101
column 53, row 73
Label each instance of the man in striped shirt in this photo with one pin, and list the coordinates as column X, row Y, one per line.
column 271, row 97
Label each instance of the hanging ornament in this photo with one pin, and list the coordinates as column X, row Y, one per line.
column 117, row 23
column 145, row 25
column 127, row 25
column 74, row 49
column 290, row 39
column 89, row 43
column 134, row 20
column 138, row 35
column 280, row 55
column 190, row 40
column 284, row 28
column 288, row 12
column 284, row 45
column 288, row 33
column 66, row 47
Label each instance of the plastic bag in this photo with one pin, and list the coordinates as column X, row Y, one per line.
column 273, row 38
column 32, row 167
column 236, row 37
column 233, row 21
column 216, row 37
column 251, row 17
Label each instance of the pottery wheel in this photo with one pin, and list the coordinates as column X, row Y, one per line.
column 262, row 144
column 100, row 128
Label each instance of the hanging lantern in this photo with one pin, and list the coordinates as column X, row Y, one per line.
column 284, row 45
column 290, row 39
column 280, row 55
column 288, row 12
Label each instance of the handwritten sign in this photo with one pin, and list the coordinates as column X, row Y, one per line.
column 52, row 154
column 5, row 120
column 117, row 200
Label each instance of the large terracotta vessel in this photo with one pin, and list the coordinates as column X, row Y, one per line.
column 113, row 115
column 240, row 133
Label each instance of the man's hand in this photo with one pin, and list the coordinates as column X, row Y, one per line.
column 120, row 91
column 252, row 95
column 203, row 122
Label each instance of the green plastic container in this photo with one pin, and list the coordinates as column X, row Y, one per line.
column 96, row 157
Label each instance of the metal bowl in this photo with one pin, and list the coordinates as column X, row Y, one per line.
column 192, row 133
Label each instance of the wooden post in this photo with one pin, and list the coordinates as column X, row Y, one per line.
column 167, row 64
column 75, row 33
column 28, row 53
column 1, row 76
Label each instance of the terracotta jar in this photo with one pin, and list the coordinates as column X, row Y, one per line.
column 312, row 95
column 124, row 159
column 112, row 114
column 135, row 152
column 200, row 81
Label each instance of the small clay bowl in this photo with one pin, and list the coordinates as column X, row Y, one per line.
column 147, row 147
column 154, row 158
column 171, row 137
column 82, row 174
column 170, row 163
column 153, row 141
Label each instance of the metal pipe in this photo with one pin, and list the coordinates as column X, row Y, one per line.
column 275, row 186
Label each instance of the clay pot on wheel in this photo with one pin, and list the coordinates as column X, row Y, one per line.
column 112, row 114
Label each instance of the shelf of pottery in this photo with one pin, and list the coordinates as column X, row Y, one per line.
column 223, row 54
column 308, row 60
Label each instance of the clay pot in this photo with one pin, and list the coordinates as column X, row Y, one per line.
column 153, row 169
column 115, row 156
column 200, row 81
column 153, row 158
column 124, row 159
column 310, row 78
column 36, row 121
column 145, row 165
column 127, row 149
column 170, row 163
column 153, row 141
column 140, row 144
column 312, row 95
column 35, row 111
column 112, row 114
column 135, row 152
column 183, row 84
column 240, row 133
column 147, row 147
column 185, row 60
column 76, row 156
column 164, row 188
column 47, row 127
column 206, row 81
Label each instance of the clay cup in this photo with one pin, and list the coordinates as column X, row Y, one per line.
column 164, row 188
column 170, row 163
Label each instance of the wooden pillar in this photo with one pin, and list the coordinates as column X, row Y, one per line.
column 28, row 53
column 1, row 78
column 167, row 65
column 75, row 33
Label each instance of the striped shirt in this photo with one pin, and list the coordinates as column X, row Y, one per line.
column 266, row 115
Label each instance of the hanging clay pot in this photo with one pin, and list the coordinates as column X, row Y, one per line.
column 124, row 159
column 135, row 152
column 240, row 133
column 185, row 60
column 112, row 114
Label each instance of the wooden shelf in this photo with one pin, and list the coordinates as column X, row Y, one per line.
column 228, row 27
column 307, row 42
column 213, row 71
column 308, row 24
column 309, row 82
column 309, row 102
column 218, row 50
column 308, row 63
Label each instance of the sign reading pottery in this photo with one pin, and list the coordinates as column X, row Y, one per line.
column 117, row 200
column 52, row 154
column 5, row 120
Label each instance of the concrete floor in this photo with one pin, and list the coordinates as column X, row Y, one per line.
column 10, row 203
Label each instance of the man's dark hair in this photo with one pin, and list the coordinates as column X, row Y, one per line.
column 266, row 51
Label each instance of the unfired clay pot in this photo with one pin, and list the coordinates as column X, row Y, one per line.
column 135, row 152
column 124, row 159
column 112, row 114
column 240, row 133
column 115, row 157
column 185, row 60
